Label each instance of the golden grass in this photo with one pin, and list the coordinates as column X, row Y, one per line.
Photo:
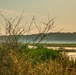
column 10, row 64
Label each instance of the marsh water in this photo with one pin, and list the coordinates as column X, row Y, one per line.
column 58, row 38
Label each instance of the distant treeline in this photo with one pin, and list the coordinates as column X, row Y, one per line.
column 48, row 37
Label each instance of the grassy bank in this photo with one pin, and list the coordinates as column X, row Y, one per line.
column 60, row 45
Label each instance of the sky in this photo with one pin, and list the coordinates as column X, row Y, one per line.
column 65, row 10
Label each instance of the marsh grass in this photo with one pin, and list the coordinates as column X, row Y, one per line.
column 11, row 64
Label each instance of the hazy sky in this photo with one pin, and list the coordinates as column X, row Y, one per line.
column 65, row 10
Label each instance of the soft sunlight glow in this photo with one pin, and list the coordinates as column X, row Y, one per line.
column 65, row 10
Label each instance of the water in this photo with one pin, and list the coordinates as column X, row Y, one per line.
column 58, row 38
column 72, row 55
column 48, row 42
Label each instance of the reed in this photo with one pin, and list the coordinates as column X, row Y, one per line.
column 10, row 64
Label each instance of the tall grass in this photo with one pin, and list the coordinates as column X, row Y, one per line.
column 11, row 64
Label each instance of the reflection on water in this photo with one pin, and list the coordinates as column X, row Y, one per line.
column 72, row 55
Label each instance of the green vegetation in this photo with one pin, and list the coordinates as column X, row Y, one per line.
column 44, row 54
column 39, row 61
column 60, row 45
